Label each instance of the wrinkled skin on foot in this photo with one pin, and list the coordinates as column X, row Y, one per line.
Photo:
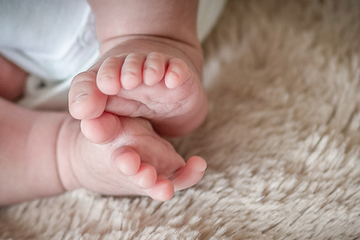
column 124, row 156
column 166, row 90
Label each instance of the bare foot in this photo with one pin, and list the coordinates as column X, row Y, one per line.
column 163, row 86
column 124, row 157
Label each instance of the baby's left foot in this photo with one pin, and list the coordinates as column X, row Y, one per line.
column 123, row 156
column 161, row 87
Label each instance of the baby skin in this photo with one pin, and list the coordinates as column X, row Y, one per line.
column 152, row 70
column 147, row 84
column 129, row 158
column 155, row 86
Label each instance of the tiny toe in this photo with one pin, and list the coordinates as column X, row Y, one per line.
column 85, row 99
column 127, row 161
column 146, row 176
column 108, row 77
column 102, row 129
column 154, row 68
column 176, row 74
column 131, row 71
column 190, row 174
column 163, row 190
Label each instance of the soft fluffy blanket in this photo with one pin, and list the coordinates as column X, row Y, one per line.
column 282, row 139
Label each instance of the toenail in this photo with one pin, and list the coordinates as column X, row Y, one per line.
column 80, row 97
column 150, row 68
column 106, row 79
column 174, row 74
column 129, row 74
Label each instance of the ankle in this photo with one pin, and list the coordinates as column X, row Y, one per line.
column 66, row 152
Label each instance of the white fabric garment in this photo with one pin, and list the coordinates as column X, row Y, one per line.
column 54, row 40
column 47, row 38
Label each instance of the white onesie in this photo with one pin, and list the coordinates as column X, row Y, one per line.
column 54, row 40
column 47, row 38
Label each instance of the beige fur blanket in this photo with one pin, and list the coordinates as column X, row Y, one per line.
column 282, row 139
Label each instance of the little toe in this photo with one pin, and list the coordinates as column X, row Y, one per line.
column 108, row 76
column 146, row 176
column 154, row 68
column 127, row 161
column 190, row 174
column 102, row 129
column 131, row 71
column 177, row 73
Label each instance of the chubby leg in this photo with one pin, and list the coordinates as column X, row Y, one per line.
column 151, row 66
column 129, row 158
column 45, row 153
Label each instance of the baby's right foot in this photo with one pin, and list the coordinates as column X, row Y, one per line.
column 127, row 158
column 162, row 86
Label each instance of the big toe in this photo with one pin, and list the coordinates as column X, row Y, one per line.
column 108, row 78
column 85, row 100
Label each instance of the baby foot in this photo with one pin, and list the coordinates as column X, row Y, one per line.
column 164, row 89
column 126, row 157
